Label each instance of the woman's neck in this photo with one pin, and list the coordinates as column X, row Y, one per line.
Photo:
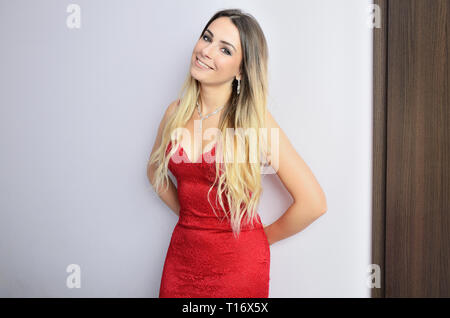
column 213, row 97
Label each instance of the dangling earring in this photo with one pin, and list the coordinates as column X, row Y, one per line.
column 239, row 86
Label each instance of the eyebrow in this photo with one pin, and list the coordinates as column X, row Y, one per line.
column 212, row 35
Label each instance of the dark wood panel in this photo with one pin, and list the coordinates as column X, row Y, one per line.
column 379, row 145
column 417, row 176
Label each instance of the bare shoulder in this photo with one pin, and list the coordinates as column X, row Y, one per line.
column 271, row 125
column 167, row 114
column 270, row 121
column 171, row 108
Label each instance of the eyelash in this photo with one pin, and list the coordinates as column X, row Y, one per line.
column 229, row 53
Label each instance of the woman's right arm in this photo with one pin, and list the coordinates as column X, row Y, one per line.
column 169, row 196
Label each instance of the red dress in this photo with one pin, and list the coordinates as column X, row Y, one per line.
column 204, row 259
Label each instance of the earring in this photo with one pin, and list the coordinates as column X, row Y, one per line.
column 239, row 86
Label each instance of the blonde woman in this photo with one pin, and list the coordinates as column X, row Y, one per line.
column 219, row 247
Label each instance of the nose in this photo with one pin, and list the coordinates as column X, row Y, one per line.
column 207, row 52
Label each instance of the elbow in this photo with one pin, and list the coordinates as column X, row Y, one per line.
column 313, row 210
column 320, row 210
column 318, row 206
column 323, row 207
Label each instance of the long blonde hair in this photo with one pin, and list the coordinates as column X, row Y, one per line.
column 239, row 182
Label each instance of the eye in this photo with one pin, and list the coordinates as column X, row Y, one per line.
column 228, row 52
column 207, row 40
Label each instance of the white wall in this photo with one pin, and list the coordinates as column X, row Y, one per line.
column 79, row 114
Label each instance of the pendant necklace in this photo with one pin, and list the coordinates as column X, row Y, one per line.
column 206, row 116
column 200, row 129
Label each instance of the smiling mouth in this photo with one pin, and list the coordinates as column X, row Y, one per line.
column 202, row 64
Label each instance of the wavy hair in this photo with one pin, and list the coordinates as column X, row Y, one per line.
column 239, row 182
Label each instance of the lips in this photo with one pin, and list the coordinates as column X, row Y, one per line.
column 204, row 63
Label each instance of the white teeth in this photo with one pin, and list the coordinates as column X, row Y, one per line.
column 202, row 64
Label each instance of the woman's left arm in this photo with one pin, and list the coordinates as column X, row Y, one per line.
column 309, row 199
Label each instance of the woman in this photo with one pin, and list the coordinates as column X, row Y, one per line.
column 213, row 252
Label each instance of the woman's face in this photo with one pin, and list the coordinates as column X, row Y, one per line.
column 223, row 59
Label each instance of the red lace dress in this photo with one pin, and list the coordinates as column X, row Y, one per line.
column 204, row 259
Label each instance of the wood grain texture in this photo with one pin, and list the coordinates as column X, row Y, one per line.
column 379, row 145
column 417, row 250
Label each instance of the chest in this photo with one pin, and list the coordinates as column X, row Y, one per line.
column 199, row 136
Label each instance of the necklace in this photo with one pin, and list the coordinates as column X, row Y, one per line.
column 206, row 116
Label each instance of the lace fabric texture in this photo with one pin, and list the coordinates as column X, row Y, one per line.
column 204, row 259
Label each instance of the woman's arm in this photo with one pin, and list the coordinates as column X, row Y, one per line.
column 309, row 198
column 170, row 196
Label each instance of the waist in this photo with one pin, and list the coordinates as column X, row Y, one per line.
column 221, row 223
